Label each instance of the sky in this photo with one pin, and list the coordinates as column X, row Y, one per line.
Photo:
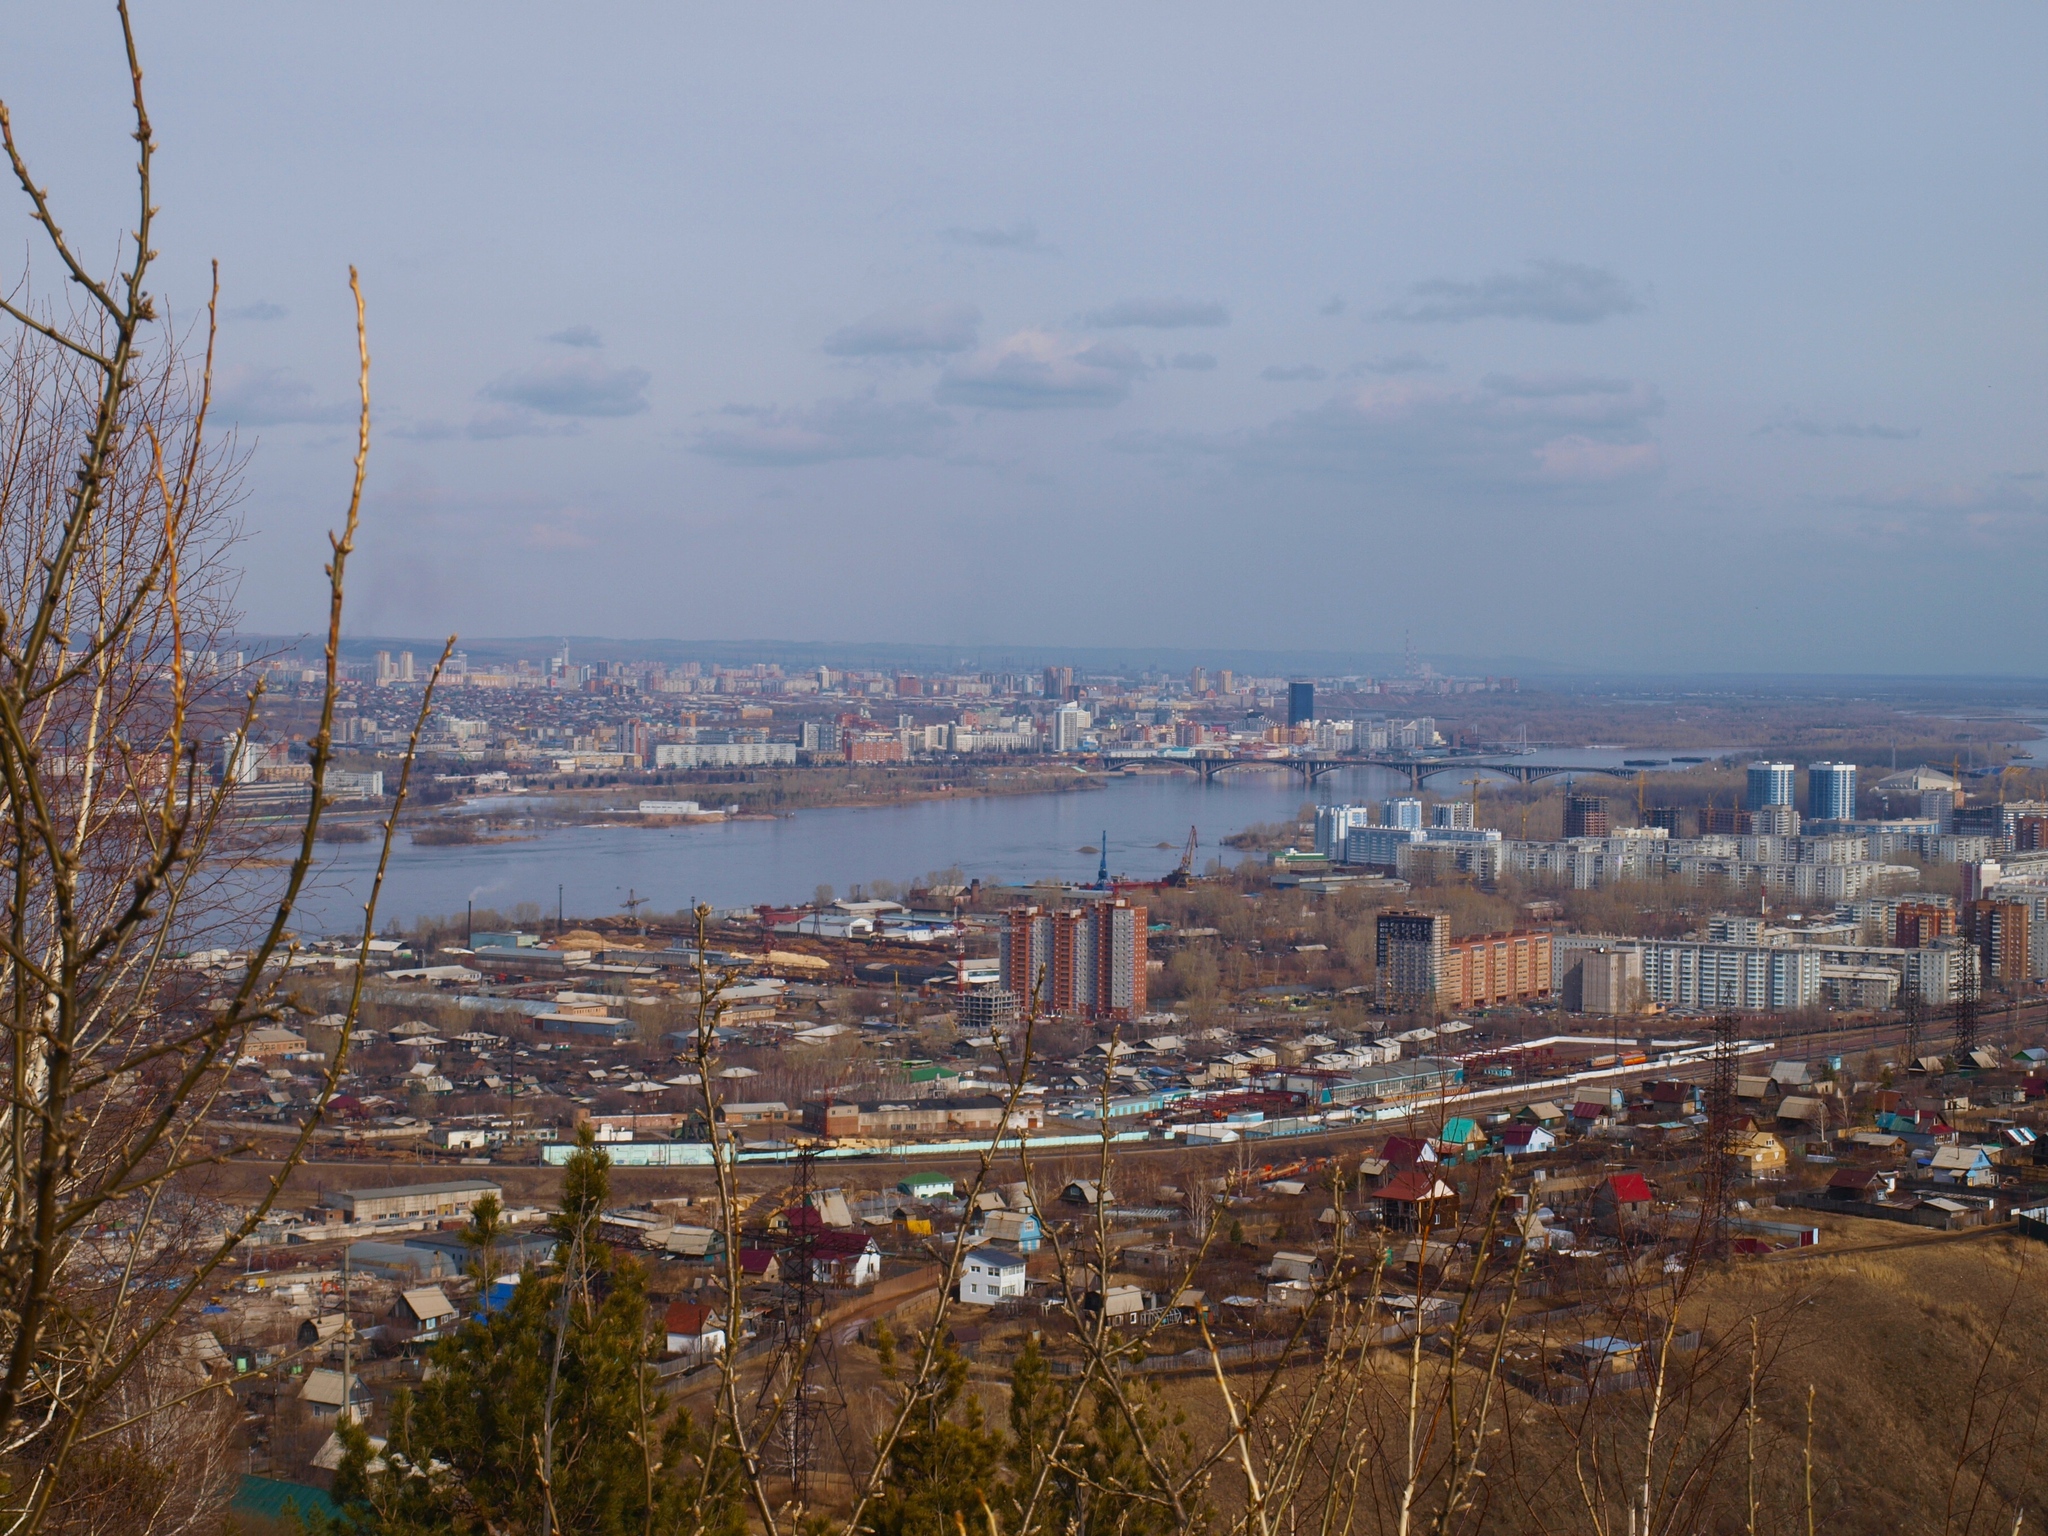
column 1683, row 339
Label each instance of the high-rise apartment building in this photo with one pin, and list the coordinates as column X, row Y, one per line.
column 1226, row 681
column 1301, row 703
column 1769, row 784
column 1917, row 924
column 1451, row 813
column 1747, row 978
column 1198, row 681
column 1068, row 722
column 1411, row 955
column 1999, row 929
column 1334, row 823
column 1085, row 962
column 1586, row 816
column 1059, row 682
column 1831, row 792
column 1490, row 969
column 1402, row 812
column 1774, row 821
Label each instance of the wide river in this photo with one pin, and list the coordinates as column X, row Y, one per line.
column 1000, row 838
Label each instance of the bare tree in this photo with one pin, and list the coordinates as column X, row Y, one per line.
column 119, row 844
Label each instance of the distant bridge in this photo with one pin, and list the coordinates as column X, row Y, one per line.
column 1419, row 769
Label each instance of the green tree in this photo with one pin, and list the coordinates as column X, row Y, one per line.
column 543, row 1415
column 945, row 1463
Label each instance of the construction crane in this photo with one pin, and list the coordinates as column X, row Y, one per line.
column 1184, row 872
column 633, row 903
column 1475, row 781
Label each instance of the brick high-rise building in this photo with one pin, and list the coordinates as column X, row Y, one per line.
column 1086, row 961
column 1492, row 968
column 1586, row 816
column 1918, row 924
column 1999, row 930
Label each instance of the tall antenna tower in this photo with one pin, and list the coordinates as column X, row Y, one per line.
column 811, row 1430
column 1718, row 1148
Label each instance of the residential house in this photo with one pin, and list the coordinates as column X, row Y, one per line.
column 1526, row 1140
column 322, row 1395
column 850, row 1259
column 1416, row 1200
column 1086, row 1192
column 1293, row 1266
column 421, row 1313
column 694, row 1331
column 1020, row 1229
column 1590, row 1115
column 1757, row 1152
column 1460, row 1137
column 1543, row 1113
column 1797, row 1109
column 1409, row 1152
column 1969, row 1166
column 1861, row 1184
column 760, row 1264
column 989, row 1273
column 1622, row 1201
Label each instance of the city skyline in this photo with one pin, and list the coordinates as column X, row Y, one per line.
column 1704, row 340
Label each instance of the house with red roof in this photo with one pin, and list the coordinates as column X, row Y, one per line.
column 1623, row 1200
column 1416, row 1200
column 1409, row 1152
column 694, row 1331
column 1526, row 1140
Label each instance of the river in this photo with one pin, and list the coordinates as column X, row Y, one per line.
column 1002, row 838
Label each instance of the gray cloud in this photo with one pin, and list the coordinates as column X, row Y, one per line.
column 1160, row 314
column 1805, row 427
column 1300, row 373
column 1193, row 362
column 1034, row 370
column 268, row 397
column 263, row 309
column 1508, row 431
column 2000, row 505
column 1563, row 292
column 580, row 389
column 1393, row 363
column 1010, row 237
column 1333, row 305
column 931, row 330
column 577, row 336
column 830, row 430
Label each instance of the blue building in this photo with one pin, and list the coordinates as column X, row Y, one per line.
column 1769, row 784
column 1830, row 791
column 1301, row 703
column 1404, row 812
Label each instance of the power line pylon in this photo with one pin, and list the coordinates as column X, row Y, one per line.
column 1913, row 1014
column 810, row 1435
column 1966, row 1010
column 1719, row 1141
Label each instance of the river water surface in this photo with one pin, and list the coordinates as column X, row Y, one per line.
column 1003, row 838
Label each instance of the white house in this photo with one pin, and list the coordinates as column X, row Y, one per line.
column 1962, row 1165
column 991, row 1272
column 694, row 1331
